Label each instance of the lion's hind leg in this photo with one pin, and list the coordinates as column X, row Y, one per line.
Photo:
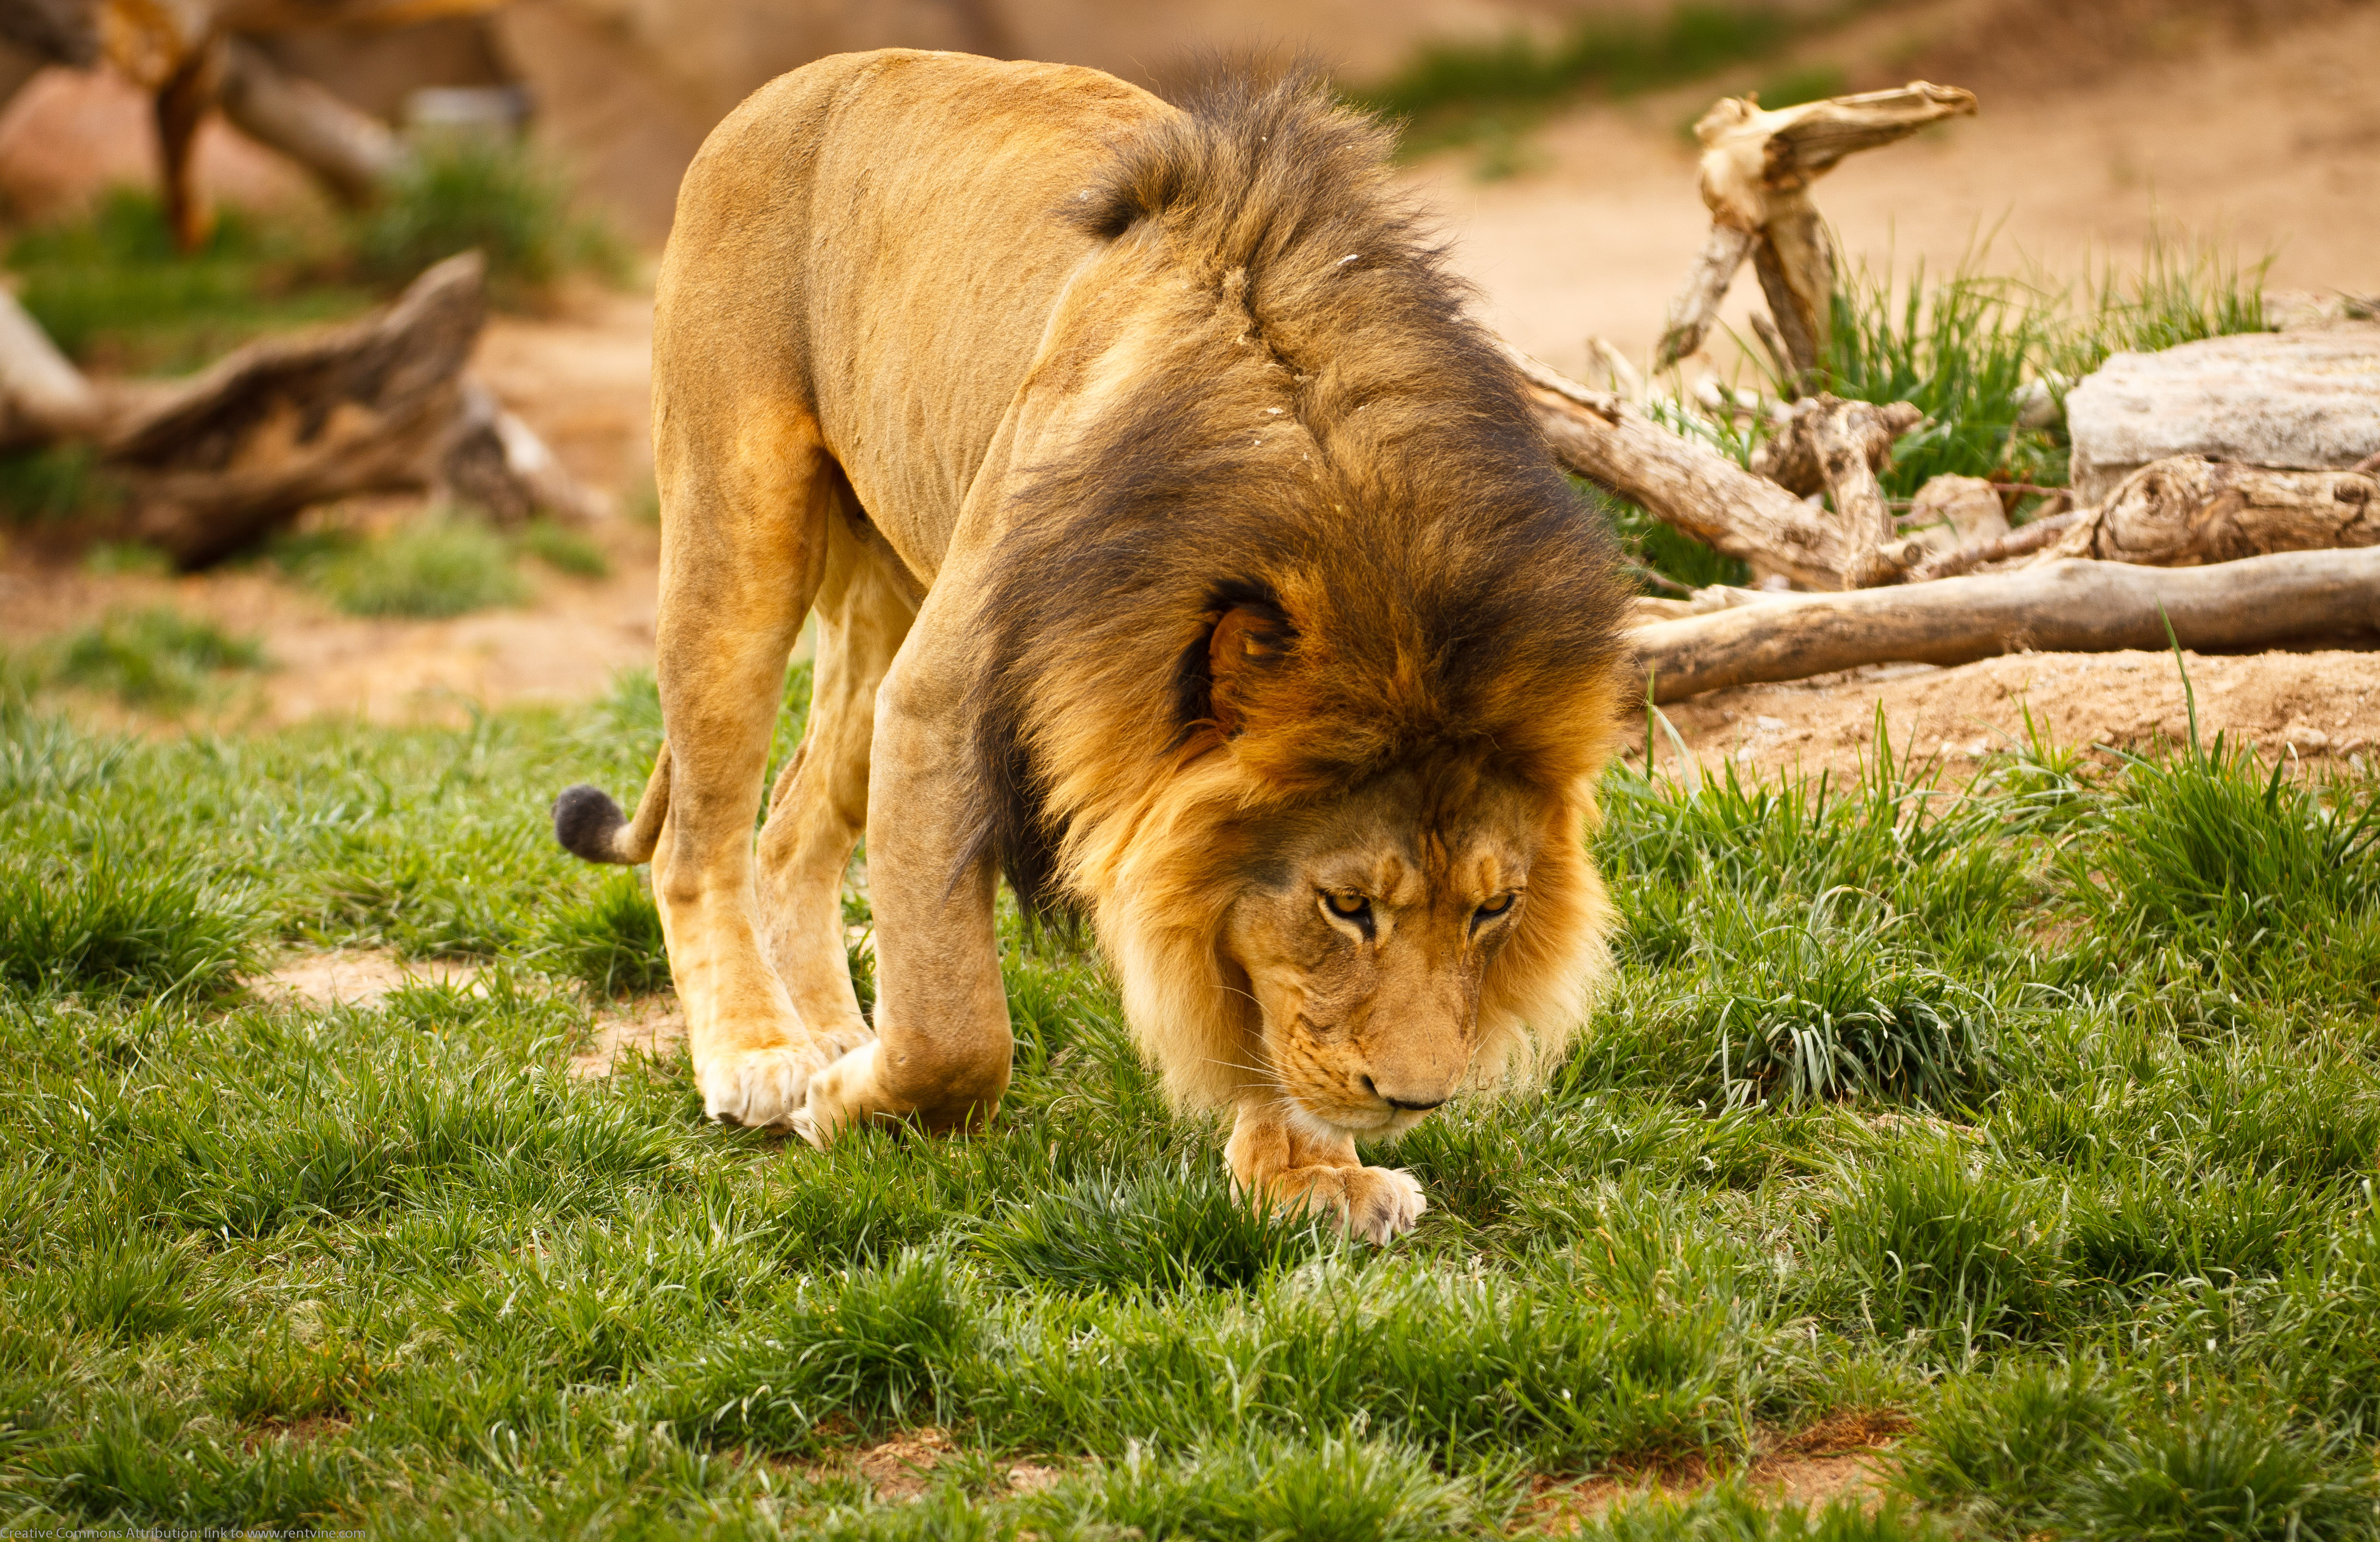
column 820, row 806
column 744, row 536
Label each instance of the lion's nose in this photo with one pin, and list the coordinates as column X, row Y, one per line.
column 1410, row 1105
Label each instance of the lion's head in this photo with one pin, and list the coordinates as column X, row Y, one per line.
column 1298, row 670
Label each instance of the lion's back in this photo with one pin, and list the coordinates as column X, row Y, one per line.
column 894, row 223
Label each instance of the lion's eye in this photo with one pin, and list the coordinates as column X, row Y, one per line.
column 1350, row 907
column 1493, row 908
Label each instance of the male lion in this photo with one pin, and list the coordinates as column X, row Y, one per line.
column 1177, row 547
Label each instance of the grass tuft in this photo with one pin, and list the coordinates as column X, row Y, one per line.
column 497, row 196
column 611, row 941
column 442, row 564
column 117, row 920
column 157, row 659
column 1158, row 1230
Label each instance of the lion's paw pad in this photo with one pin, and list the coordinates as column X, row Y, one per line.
column 1382, row 1202
column 758, row 1088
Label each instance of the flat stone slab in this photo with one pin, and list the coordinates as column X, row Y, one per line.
column 2295, row 401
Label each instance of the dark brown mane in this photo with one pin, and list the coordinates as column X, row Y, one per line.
column 1440, row 589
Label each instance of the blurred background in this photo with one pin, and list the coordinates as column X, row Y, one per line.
column 179, row 178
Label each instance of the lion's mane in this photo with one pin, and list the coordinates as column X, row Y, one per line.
column 1438, row 597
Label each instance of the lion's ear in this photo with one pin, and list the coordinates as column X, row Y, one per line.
column 1246, row 641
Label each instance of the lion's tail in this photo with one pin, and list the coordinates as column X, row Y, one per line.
column 589, row 824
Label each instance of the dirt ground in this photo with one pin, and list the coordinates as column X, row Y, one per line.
column 2270, row 145
column 2274, row 142
column 2317, row 709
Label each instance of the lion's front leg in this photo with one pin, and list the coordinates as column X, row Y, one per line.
column 942, row 1045
column 1296, row 1170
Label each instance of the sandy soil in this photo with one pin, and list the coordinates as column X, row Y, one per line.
column 2318, row 708
column 1838, row 1459
column 360, row 976
column 2273, row 145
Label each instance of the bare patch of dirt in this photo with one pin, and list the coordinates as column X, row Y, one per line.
column 1833, row 1459
column 360, row 976
column 2321, row 709
column 652, row 1027
column 901, row 1467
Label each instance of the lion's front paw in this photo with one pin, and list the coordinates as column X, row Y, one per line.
column 838, row 1094
column 756, row 1088
column 1382, row 1202
column 1376, row 1204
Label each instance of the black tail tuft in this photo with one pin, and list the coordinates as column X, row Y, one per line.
column 588, row 823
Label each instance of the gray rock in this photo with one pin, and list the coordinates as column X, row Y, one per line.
column 2295, row 401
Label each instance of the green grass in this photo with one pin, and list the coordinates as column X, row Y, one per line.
column 1452, row 94
column 112, row 291
column 155, row 660
column 497, row 196
column 2044, row 1112
column 445, row 563
column 59, row 481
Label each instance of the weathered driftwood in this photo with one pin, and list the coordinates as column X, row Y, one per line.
column 2020, row 542
column 1698, row 490
column 494, row 462
column 1951, row 512
column 351, row 153
column 2188, row 511
column 1831, row 445
column 1819, row 429
column 1756, row 170
column 43, row 395
column 286, row 422
column 2295, row 401
column 1604, row 438
column 383, row 404
column 2074, row 606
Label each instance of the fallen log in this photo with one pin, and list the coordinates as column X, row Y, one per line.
column 381, row 406
column 1602, row 437
column 286, row 422
column 2073, row 606
column 2187, row 511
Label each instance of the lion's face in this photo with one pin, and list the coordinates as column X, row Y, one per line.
column 1365, row 931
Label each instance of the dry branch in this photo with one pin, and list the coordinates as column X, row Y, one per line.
column 349, row 151
column 2016, row 543
column 1694, row 488
column 1703, row 493
column 1756, row 170
column 43, row 397
column 2078, row 606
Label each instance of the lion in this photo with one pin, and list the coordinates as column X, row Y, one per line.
column 1180, row 549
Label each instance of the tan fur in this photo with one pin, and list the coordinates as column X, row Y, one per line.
column 897, row 347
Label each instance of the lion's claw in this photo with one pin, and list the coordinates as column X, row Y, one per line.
column 1383, row 1203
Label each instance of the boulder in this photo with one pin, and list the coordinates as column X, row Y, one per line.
column 2293, row 401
